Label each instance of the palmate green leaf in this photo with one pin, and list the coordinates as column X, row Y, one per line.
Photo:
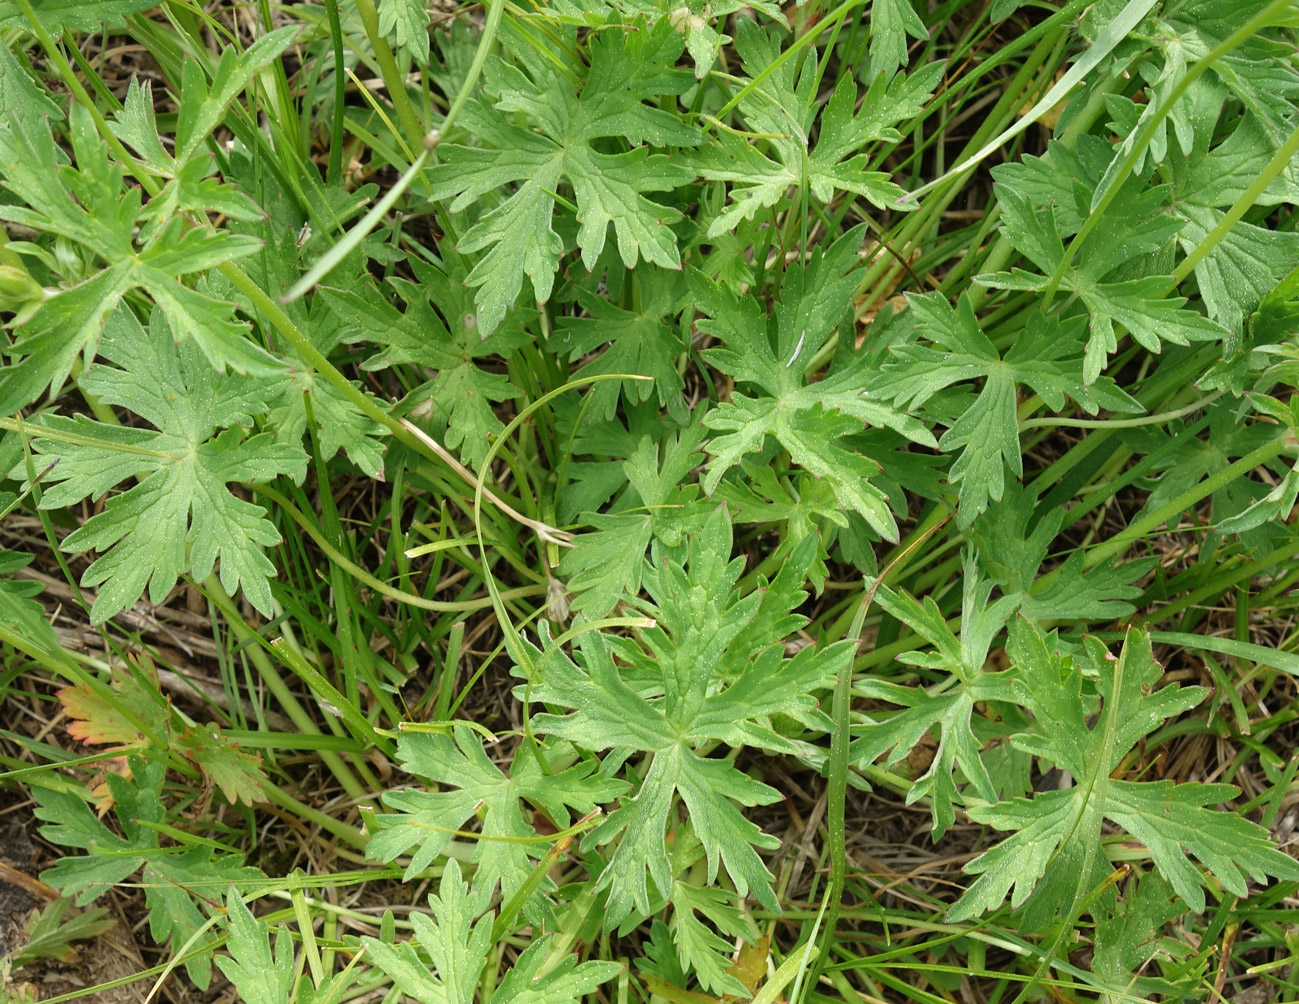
column 51, row 933
column 698, row 20
column 706, row 924
column 628, row 66
column 189, row 187
column 101, row 215
column 1044, row 357
column 1242, row 267
column 180, row 518
column 1139, row 304
column 780, row 110
column 810, row 436
column 1013, row 557
column 1260, row 74
column 203, row 103
column 805, row 506
column 172, row 882
column 71, row 823
column 136, row 125
column 710, row 671
column 57, row 15
column 457, row 946
column 191, row 313
column 1250, row 260
column 438, row 330
column 471, row 782
column 305, row 398
column 1192, row 113
column 891, row 22
column 949, row 710
column 1044, row 200
column 19, row 611
column 84, row 203
column 1184, row 461
column 605, row 563
column 340, row 425
column 1100, row 593
column 1002, row 9
column 100, row 218
column 589, row 484
column 1232, row 278
column 566, row 983
column 709, row 790
column 175, row 884
column 702, row 950
column 1257, row 72
column 26, row 102
column 406, row 23
column 88, row 205
column 458, row 943
column 1218, row 175
column 644, row 340
column 892, row 99
column 462, row 398
column 806, row 419
column 1127, row 935
column 661, row 960
column 259, row 975
column 1062, row 180
column 1061, row 830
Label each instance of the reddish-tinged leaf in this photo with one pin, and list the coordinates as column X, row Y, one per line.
column 661, row 988
column 135, row 701
column 751, row 965
column 237, row 774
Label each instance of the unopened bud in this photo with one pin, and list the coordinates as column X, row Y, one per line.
column 17, row 287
